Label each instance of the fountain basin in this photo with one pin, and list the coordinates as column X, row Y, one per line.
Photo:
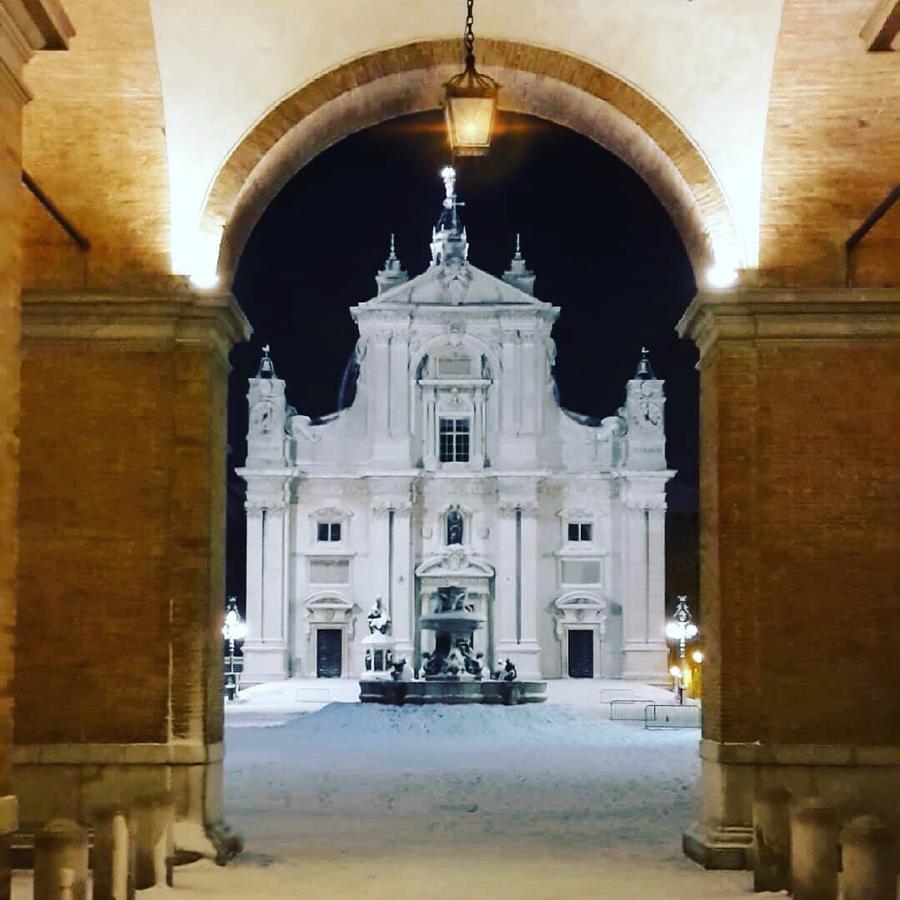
column 419, row 693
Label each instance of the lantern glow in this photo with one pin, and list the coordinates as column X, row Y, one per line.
column 470, row 103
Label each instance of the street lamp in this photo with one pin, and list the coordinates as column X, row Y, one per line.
column 681, row 629
column 470, row 102
column 233, row 630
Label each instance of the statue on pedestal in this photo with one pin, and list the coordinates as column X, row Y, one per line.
column 379, row 618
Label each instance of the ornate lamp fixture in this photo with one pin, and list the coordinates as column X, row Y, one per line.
column 470, row 101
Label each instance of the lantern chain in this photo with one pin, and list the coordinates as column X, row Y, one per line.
column 469, row 39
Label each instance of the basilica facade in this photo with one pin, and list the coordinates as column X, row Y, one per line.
column 455, row 467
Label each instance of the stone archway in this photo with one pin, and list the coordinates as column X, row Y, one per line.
column 408, row 79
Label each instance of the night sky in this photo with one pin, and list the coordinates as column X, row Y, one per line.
column 601, row 245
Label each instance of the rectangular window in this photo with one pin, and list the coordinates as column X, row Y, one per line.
column 580, row 531
column 329, row 571
column 329, row 531
column 580, row 571
column 454, row 440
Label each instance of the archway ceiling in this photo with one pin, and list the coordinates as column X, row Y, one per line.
column 707, row 65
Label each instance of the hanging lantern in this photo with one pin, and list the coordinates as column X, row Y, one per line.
column 470, row 102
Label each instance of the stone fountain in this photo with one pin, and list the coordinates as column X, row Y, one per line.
column 453, row 672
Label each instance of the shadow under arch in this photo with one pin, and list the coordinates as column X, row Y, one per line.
column 408, row 79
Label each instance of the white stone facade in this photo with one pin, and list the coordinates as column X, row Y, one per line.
column 456, row 467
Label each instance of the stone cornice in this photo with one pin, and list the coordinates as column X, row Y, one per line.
column 799, row 754
column 175, row 753
column 791, row 314
column 136, row 322
column 27, row 26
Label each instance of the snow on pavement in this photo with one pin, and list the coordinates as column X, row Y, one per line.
column 541, row 802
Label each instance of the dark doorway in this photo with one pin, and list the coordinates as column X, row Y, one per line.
column 328, row 653
column 581, row 654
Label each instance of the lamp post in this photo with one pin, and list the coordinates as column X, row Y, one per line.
column 233, row 630
column 681, row 629
column 470, row 101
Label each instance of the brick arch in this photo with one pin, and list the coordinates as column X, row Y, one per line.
column 408, row 79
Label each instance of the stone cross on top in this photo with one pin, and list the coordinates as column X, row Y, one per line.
column 448, row 173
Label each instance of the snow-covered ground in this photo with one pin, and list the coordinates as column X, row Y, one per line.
column 554, row 801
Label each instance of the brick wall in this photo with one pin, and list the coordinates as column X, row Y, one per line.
column 94, row 140
column 121, row 570
column 799, row 530
column 832, row 147
column 828, row 448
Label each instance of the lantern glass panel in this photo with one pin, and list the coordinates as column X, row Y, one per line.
column 469, row 121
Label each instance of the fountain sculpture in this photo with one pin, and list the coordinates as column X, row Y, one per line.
column 453, row 672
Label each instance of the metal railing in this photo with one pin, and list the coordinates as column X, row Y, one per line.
column 671, row 715
column 628, row 709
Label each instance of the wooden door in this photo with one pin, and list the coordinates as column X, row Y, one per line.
column 581, row 653
column 328, row 652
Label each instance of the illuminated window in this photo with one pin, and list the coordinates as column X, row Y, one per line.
column 453, row 437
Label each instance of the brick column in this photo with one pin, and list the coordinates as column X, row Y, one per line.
column 121, row 567
column 23, row 30
column 798, row 453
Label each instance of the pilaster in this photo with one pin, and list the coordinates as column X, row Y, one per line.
column 516, row 580
column 404, row 583
column 390, row 542
column 643, row 560
column 266, row 649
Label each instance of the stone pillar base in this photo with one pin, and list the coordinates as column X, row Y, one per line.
column 648, row 663
column 723, row 848
column 264, row 662
column 63, row 780
column 856, row 780
column 526, row 657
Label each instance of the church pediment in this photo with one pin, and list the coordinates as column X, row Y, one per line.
column 329, row 601
column 455, row 563
column 581, row 600
column 454, row 283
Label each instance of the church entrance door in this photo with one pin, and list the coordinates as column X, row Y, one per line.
column 581, row 653
column 328, row 652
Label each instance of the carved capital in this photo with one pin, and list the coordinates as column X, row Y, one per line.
column 399, row 506
column 653, row 504
column 258, row 506
column 511, row 506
